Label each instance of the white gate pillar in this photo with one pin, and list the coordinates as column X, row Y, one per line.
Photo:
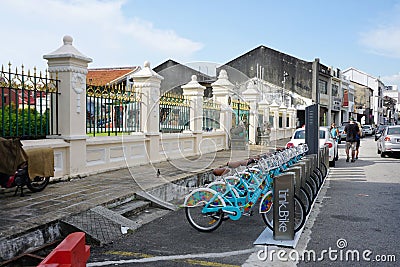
column 195, row 92
column 274, row 111
column 222, row 91
column 149, row 82
column 71, row 66
column 251, row 95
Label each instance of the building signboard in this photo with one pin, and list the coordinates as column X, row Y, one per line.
column 336, row 103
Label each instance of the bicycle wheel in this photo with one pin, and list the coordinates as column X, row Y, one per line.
column 266, row 210
column 299, row 216
column 196, row 204
column 314, row 187
column 305, row 199
column 323, row 169
column 38, row 183
column 317, row 179
column 317, row 176
column 307, row 187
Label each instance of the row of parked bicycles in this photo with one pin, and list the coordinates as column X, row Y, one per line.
column 242, row 184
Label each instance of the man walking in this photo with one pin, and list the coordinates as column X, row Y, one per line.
column 351, row 130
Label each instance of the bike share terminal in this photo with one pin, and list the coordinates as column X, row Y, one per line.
column 303, row 181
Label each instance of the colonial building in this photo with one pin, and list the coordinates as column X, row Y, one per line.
column 368, row 95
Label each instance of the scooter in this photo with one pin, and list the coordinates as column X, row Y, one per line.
column 13, row 156
column 21, row 178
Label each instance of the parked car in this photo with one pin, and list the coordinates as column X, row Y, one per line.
column 378, row 131
column 325, row 138
column 389, row 141
column 368, row 130
column 342, row 135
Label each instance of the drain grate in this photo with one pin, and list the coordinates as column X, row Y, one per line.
column 101, row 225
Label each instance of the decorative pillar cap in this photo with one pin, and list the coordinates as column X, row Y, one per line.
column 223, row 80
column 67, row 50
column 147, row 72
column 273, row 104
column 263, row 103
column 193, row 84
column 251, row 94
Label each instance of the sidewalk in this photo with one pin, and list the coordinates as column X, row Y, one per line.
column 22, row 219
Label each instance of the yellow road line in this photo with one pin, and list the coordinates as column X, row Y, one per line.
column 128, row 253
column 190, row 261
column 209, row 263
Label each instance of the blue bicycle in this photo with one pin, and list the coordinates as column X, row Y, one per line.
column 234, row 196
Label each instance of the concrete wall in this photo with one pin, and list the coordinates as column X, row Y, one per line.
column 115, row 152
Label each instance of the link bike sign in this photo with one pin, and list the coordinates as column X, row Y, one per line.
column 284, row 207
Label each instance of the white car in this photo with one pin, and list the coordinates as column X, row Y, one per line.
column 325, row 138
column 389, row 141
column 367, row 130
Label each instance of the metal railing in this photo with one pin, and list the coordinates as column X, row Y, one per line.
column 112, row 110
column 241, row 110
column 211, row 115
column 29, row 104
column 174, row 113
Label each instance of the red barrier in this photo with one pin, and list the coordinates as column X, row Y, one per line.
column 71, row 252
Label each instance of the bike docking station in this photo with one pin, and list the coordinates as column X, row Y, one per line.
column 296, row 190
column 303, row 181
column 284, row 183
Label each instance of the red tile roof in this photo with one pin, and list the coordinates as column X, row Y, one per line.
column 103, row 76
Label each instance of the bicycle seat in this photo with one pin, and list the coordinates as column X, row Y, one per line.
column 235, row 164
column 253, row 160
column 220, row 171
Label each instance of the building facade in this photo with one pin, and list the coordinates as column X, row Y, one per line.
column 391, row 105
column 368, row 95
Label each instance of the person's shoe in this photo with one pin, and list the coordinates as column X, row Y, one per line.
column 353, row 160
column 356, row 157
column 347, row 160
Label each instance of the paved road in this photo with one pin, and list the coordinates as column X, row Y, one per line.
column 360, row 209
column 356, row 212
column 170, row 239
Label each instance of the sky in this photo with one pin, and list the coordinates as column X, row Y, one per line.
column 113, row 33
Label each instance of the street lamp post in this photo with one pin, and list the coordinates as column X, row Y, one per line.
column 285, row 74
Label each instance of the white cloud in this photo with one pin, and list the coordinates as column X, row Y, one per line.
column 384, row 38
column 99, row 28
column 392, row 80
column 383, row 41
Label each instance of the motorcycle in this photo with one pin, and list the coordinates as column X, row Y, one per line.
column 14, row 155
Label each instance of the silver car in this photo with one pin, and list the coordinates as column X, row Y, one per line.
column 342, row 135
column 367, row 130
column 389, row 141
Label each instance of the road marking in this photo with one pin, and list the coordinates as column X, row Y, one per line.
column 190, row 261
column 209, row 263
column 187, row 257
